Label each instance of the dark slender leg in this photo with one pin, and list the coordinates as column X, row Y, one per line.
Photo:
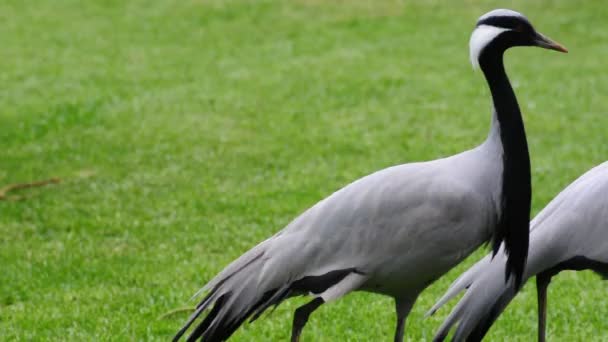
column 301, row 317
column 403, row 307
column 542, row 282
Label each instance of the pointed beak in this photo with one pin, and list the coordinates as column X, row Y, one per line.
column 545, row 42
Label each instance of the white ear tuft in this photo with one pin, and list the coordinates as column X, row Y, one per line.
column 481, row 37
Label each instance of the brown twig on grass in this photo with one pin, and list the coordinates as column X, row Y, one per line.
column 18, row 186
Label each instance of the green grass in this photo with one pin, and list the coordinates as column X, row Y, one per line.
column 188, row 131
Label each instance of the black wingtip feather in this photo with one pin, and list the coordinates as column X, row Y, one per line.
column 276, row 298
column 440, row 338
column 221, row 329
column 202, row 328
column 222, row 321
column 199, row 309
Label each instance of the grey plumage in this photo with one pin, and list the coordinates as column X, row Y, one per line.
column 397, row 258
column 569, row 233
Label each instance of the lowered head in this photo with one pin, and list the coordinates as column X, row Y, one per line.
column 500, row 29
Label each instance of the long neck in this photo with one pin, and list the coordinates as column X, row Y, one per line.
column 513, row 223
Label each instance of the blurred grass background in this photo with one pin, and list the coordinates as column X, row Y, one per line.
column 187, row 131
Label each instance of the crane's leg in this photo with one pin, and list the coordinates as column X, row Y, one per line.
column 542, row 282
column 301, row 317
column 403, row 306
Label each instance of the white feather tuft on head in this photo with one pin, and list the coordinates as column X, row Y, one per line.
column 481, row 37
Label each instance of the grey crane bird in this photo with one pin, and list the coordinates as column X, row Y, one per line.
column 568, row 234
column 397, row 230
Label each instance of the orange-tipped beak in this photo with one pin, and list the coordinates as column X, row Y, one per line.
column 547, row 43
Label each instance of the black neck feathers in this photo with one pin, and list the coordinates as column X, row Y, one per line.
column 513, row 224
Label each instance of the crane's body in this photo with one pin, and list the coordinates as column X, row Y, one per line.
column 396, row 222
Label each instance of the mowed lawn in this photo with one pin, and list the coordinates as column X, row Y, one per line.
column 184, row 132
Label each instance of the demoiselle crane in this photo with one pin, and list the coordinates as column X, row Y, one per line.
column 397, row 230
column 568, row 234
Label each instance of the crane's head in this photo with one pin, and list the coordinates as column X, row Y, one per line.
column 501, row 29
